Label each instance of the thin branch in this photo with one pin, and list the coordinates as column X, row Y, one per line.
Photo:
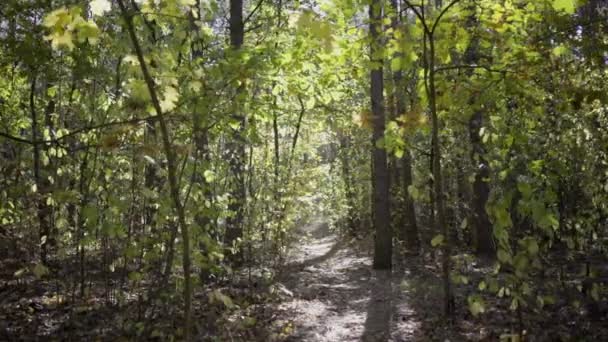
column 472, row 66
column 255, row 9
column 17, row 139
column 418, row 14
column 443, row 12
column 78, row 131
column 171, row 169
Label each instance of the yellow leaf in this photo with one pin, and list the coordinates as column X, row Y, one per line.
column 437, row 240
column 169, row 102
column 62, row 39
column 58, row 18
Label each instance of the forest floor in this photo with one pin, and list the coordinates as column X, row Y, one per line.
column 336, row 296
column 326, row 290
column 333, row 294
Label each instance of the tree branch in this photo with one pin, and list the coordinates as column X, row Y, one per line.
column 418, row 14
column 443, row 12
column 78, row 131
column 471, row 66
column 255, row 9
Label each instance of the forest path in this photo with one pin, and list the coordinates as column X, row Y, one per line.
column 336, row 294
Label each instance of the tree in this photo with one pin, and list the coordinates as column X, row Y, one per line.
column 171, row 168
column 380, row 176
column 410, row 229
column 484, row 242
column 236, row 145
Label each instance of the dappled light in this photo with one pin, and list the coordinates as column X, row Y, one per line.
column 309, row 170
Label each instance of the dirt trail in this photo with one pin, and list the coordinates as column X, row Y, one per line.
column 338, row 297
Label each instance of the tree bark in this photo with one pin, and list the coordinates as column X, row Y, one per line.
column 42, row 209
column 236, row 147
column 484, row 242
column 438, row 181
column 380, row 174
column 410, row 226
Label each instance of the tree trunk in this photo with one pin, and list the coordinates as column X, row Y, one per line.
column 412, row 239
column 448, row 304
column 410, row 226
column 484, row 242
column 236, row 147
column 380, row 174
column 348, row 182
column 171, row 169
column 42, row 209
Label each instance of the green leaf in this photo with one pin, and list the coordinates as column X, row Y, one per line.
column 209, row 176
column 560, row 50
column 413, row 192
column 476, row 305
column 514, row 304
column 521, row 263
column 504, row 256
column 90, row 214
column 525, row 189
column 396, row 64
column 532, row 246
column 40, row 270
column 399, row 153
column 218, row 295
column 135, row 276
column 437, row 240
column 569, row 6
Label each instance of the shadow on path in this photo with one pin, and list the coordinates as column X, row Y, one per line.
column 379, row 308
column 338, row 297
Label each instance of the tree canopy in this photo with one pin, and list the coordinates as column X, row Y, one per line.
column 157, row 157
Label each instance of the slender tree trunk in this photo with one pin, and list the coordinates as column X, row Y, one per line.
column 484, row 242
column 380, row 175
column 203, row 151
column 412, row 238
column 348, row 181
column 438, row 180
column 171, row 169
column 41, row 207
column 464, row 198
column 236, row 147
column 410, row 226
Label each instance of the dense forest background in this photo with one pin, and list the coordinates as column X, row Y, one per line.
column 172, row 169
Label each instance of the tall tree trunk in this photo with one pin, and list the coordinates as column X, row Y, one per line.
column 412, row 239
column 236, row 147
column 42, row 210
column 171, row 168
column 380, row 175
column 410, row 226
column 203, row 152
column 439, row 209
column 484, row 242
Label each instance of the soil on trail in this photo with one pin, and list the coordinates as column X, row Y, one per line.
column 336, row 296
